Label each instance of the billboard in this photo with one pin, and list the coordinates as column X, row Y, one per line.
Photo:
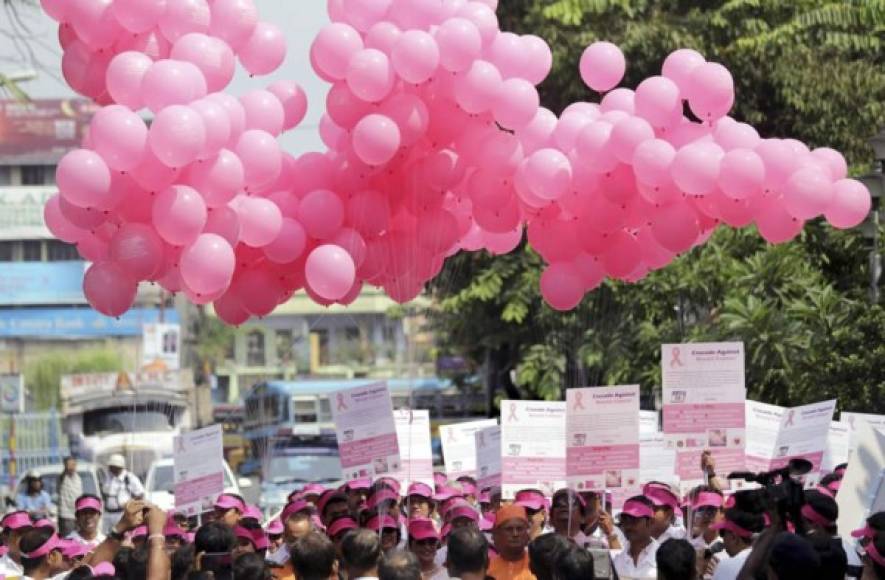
column 21, row 212
column 38, row 283
column 71, row 323
column 40, row 132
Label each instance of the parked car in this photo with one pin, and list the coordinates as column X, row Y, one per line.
column 159, row 486
column 90, row 474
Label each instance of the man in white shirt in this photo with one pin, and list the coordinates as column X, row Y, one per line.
column 637, row 560
column 736, row 530
column 70, row 487
column 119, row 488
column 88, row 512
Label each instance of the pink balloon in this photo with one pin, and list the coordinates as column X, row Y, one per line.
column 850, row 205
column 95, row 23
column 179, row 215
column 730, row 134
column 808, row 193
column 172, row 82
column 235, row 114
column 679, row 65
column 294, row 102
column 330, row 271
column 517, row 104
column 119, row 136
column 218, row 179
column 225, row 222
column 333, row 136
column 383, row 36
column 138, row 15
column 548, row 173
column 92, row 247
column 265, row 50
column 152, row 174
column 627, row 135
column 602, row 66
column 507, row 54
column 593, row 147
column 675, row 227
column 56, row 9
column 333, row 48
column 217, row 123
column 353, row 243
column 779, row 160
column 109, row 289
column 538, row 132
column 538, row 59
column 711, row 91
column 562, row 286
column 263, row 111
column 741, row 174
column 177, row 136
column 368, row 212
column 260, row 220
column 459, row 44
column 213, row 57
column 623, row 254
column 410, row 115
column 233, row 21
column 124, row 77
column 321, row 213
column 776, row 225
column 207, row 265
column 58, row 224
column 261, row 157
column 832, row 160
column 652, row 160
column 83, row 178
column 230, row 310
column 376, row 139
column 370, row 75
column 138, row 250
column 363, row 14
column 289, row 244
column 696, row 168
column 658, row 101
column 415, row 56
column 477, row 89
column 184, row 16
column 483, row 18
column 618, row 101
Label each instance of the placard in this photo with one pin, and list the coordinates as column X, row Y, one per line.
column 704, row 392
column 416, row 455
column 366, row 431
column 12, row 393
column 198, row 465
column 838, row 446
column 532, row 446
column 855, row 420
column 648, row 423
column 488, row 457
column 863, row 486
column 776, row 434
column 602, row 438
column 459, row 446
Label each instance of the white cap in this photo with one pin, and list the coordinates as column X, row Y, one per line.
column 32, row 475
column 117, row 460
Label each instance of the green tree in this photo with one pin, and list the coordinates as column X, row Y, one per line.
column 809, row 70
column 43, row 375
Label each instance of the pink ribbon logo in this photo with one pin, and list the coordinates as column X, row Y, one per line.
column 675, row 361
column 789, row 420
column 579, row 401
column 512, row 416
column 341, row 405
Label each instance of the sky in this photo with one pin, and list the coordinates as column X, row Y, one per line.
column 300, row 20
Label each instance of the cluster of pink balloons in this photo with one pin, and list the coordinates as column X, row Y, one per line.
column 437, row 143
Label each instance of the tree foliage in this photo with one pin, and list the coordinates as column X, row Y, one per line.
column 43, row 375
column 807, row 69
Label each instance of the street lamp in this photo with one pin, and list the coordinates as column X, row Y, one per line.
column 875, row 182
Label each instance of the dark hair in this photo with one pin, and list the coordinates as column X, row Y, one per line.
column 334, row 497
column 749, row 521
column 251, row 567
column 753, row 501
column 824, row 505
column 793, row 558
column 574, row 564
column 399, row 566
column 313, row 557
column 360, row 551
column 137, row 567
column 80, row 573
column 879, row 569
column 676, row 560
column 121, row 558
column 830, row 478
column 468, row 551
column 182, row 561
column 214, row 538
column 543, row 552
column 31, row 541
column 571, row 497
column 833, row 560
column 877, row 521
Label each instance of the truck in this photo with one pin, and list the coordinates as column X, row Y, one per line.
column 135, row 414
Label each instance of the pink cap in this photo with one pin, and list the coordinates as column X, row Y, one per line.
column 662, row 497
column 104, row 569
column 446, row 530
column 73, row 549
column 381, row 496
column 16, row 521
column 468, row 488
column 312, row 489
column 53, row 543
column 732, row 527
column 44, row 523
column 834, row 485
column 423, row 529
column 531, row 499
column 358, row 484
column 391, row 482
column 227, row 501
column 341, row 525
column 420, row 489
column 484, row 496
column 864, row 532
column 825, row 491
column 812, row 515
column 172, row 530
column 260, row 539
column 439, row 479
column 445, row 492
column 275, row 528
column 253, row 512
column 328, row 496
column 707, row 499
column 386, row 522
column 462, row 511
column 637, row 509
column 139, row 532
column 295, row 507
column 87, row 503
column 244, row 534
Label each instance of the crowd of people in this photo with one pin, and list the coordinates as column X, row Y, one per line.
column 377, row 529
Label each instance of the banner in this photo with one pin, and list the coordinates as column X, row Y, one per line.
column 459, row 446
column 488, row 457
column 532, row 446
column 704, row 392
column 161, row 346
column 776, row 434
column 198, row 459
column 366, row 431
column 838, row 446
column 855, row 420
column 416, row 455
column 602, row 438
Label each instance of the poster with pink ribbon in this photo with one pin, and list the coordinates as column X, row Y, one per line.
column 198, row 469
column 703, row 405
column 532, row 446
column 838, row 446
column 602, row 438
column 459, row 446
column 488, row 456
column 366, row 431
column 856, row 420
column 416, row 455
column 777, row 434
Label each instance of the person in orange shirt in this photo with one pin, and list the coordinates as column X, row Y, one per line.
column 511, row 538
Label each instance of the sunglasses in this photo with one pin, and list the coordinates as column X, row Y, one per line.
column 428, row 542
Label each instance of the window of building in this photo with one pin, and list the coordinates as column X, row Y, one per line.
column 230, row 349
column 38, row 174
column 5, row 175
column 57, row 251
column 7, row 251
column 255, row 349
column 323, row 343
column 32, row 251
column 284, row 346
